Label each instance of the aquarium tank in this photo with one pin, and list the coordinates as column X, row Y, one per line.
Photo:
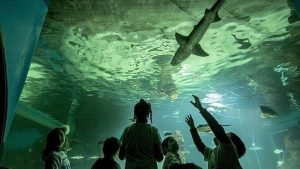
column 86, row 63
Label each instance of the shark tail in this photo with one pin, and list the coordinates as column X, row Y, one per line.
column 197, row 50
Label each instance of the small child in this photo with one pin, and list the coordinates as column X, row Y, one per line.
column 54, row 154
column 110, row 149
column 229, row 146
column 172, row 159
column 141, row 142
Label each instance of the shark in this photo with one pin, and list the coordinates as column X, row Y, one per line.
column 189, row 44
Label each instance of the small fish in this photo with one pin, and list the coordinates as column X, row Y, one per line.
column 217, row 105
column 94, row 157
column 280, row 163
column 168, row 133
column 165, row 116
column 278, row 151
column 214, row 95
column 176, row 113
column 245, row 43
column 211, row 109
column 77, row 157
column 205, row 128
column 255, row 147
column 209, row 100
column 189, row 44
column 267, row 112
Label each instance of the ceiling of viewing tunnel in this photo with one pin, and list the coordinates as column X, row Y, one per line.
column 123, row 49
column 96, row 58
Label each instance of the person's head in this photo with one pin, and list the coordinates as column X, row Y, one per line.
column 169, row 144
column 56, row 139
column 237, row 141
column 111, row 147
column 142, row 110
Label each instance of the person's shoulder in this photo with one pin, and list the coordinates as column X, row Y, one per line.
column 129, row 126
column 154, row 129
column 152, row 126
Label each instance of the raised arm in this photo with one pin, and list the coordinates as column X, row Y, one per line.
column 196, row 138
column 216, row 128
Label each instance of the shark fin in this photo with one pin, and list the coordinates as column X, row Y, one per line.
column 199, row 51
column 180, row 38
column 217, row 18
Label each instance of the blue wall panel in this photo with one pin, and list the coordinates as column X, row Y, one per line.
column 20, row 23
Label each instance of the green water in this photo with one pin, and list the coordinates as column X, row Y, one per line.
column 95, row 60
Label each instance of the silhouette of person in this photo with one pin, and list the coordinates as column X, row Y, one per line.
column 54, row 155
column 141, row 142
column 172, row 158
column 229, row 146
column 110, row 149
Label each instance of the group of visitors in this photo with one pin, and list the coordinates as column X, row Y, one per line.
column 141, row 146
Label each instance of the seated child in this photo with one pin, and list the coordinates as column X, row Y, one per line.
column 172, row 159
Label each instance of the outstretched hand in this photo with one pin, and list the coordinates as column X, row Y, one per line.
column 197, row 103
column 190, row 121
